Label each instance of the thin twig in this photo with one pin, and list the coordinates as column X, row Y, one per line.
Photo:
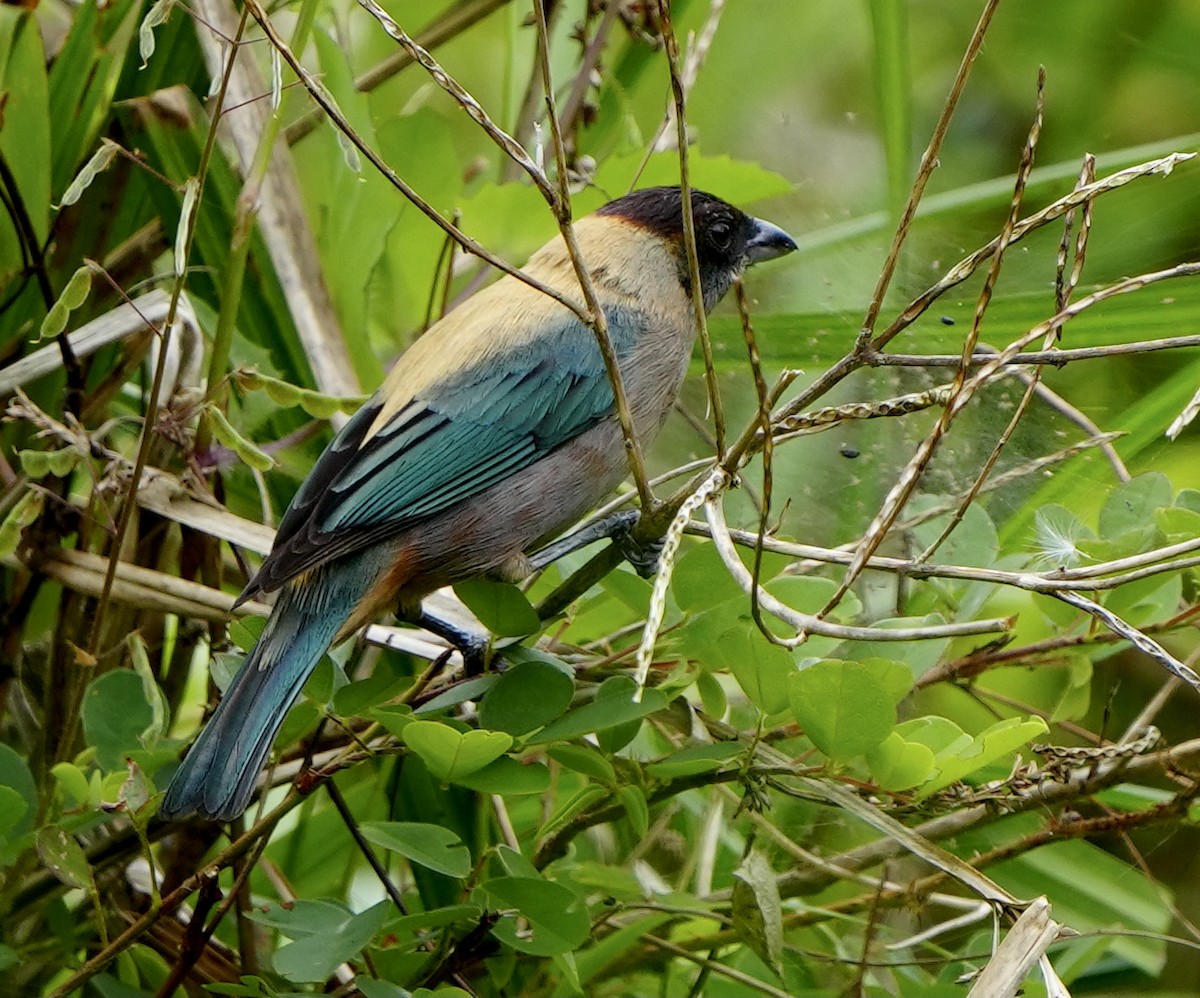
column 1053, row 358
column 376, row 864
column 449, row 25
column 699, row 315
column 511, row 147
column 149, row 423
column 768, row 450
column 322, row 97
column 1023, row 171
column 929, row 162
column 596, row 319
column 967, row 266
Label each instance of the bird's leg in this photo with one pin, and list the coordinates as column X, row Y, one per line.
column 475, row 647
column 619, row 528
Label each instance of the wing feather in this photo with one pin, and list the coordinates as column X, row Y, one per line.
column 464, row 433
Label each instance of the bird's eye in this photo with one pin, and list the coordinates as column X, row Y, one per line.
column 719, row 235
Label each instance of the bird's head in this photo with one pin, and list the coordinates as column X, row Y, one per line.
column 727, row 239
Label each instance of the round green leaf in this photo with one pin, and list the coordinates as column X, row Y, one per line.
column 115, row 714
column 761, row 668
column 897, row 764
column 450, row 754
column 842, row 707
column 501, row 608
column 526, row 697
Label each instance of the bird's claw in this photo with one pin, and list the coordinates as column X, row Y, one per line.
column 642, row 555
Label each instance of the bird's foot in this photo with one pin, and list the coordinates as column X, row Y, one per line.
column 475, row 648
column 642, row 555
column 619, row 527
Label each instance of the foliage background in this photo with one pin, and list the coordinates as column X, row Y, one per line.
column 814, row 116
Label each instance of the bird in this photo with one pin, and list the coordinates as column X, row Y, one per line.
column 494, row 432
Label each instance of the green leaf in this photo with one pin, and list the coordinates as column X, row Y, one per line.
column 135, row 793
column 700, row 580
column 763, row 670
column 694, row 760
column 636, row 809
column 25, row 137
column 40, row 463
column 15, row 776
column 713, row 699
column 454, row 914
column 972, row 542
column 1092, row 890
column 957, row 754
column 514, row 863
column 893, row 93
column 508, row 777
column 842, row 707
column 13, row 808
column 25, row 512
column 606, row 950
column 325, row 936
column 897, row 764
column 394, row 717
column 1134, row 797
column 151, row 692
column 1178, row 523
column 501, row 608
column 528, row 696
column 372, row 988
column 811, row 593
column 1132, row 505
column 363, row 694
column 468, row 689
column 450, row 754
column 301, row 720
column 115, row 716
column 614, row 705
column 558, row 918
column 757, row 910
column 577, row 803
column 71, row 782
column 584, row 759
column 64, row 857
column 917, row 656
column 432, row 846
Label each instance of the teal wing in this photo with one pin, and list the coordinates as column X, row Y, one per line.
column 471, row 430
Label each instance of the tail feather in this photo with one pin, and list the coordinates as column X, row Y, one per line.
column 217, row 777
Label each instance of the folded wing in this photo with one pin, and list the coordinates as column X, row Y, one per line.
column 467, row 431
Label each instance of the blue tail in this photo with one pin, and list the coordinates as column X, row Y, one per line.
column 219, row 773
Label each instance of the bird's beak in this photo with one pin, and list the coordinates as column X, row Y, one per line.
column 768, row 242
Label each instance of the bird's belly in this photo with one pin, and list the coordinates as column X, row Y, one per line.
column 536, row 504
column 515, row 516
